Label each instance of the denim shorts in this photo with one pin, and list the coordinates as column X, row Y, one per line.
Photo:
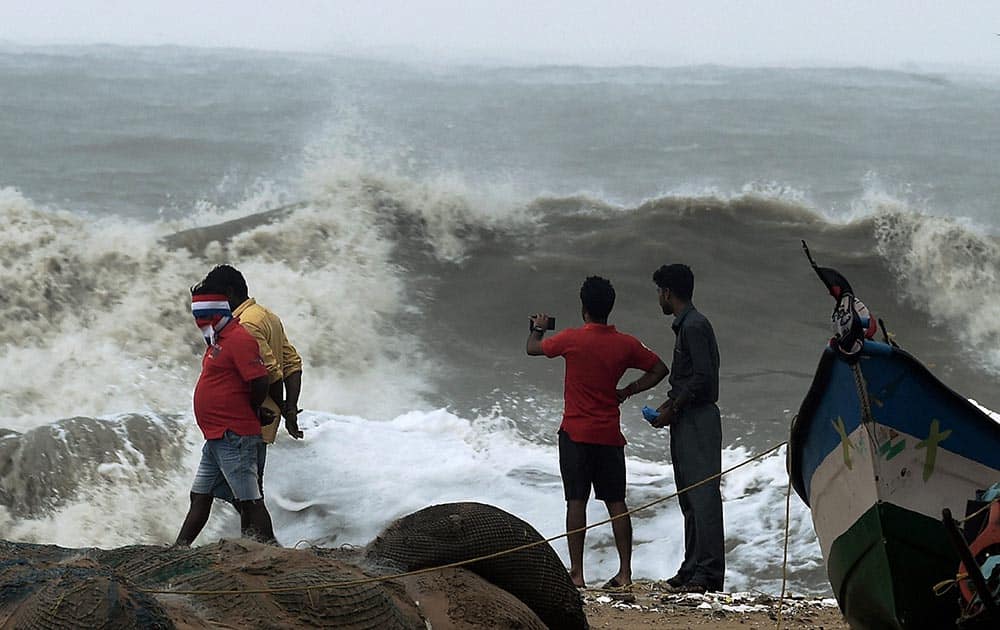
column 229, row 468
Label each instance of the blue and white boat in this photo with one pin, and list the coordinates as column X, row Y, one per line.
column 879, row 447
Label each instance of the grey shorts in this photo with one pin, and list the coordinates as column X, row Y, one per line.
column 230, row 468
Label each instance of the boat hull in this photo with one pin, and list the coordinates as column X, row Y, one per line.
column 877, row 450
column 882, row 568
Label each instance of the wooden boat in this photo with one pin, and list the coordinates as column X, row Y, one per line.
column 878, row 449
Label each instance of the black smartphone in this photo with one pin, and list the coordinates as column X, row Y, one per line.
column 552, row 324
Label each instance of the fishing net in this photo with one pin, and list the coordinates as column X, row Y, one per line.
column 247, row 566
column 443, row 534
column 74, row 596
column 45, row 586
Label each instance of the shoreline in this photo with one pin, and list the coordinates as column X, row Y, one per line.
column 647, row 605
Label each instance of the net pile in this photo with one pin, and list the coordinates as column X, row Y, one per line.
column 143, row 586
column 443, row 534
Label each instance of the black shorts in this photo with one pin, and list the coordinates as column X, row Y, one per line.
column 585, row 465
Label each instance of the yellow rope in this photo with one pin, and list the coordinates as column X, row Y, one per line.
column 784, row 559
column 977, row 512
column 944, row 586
column 383, row 578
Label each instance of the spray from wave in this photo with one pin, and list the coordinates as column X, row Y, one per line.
column 406, row 299
column 950, row 269
column 106, row 297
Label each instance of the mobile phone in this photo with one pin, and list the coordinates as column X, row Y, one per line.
column 552, row 324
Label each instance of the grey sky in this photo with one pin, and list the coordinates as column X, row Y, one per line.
column 877, row 32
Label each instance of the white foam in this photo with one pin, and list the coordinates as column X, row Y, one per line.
column 948, row 268
column 105, row 299
column 352, row 476
column 444, row 206
column 126, row 503
column 87, row 297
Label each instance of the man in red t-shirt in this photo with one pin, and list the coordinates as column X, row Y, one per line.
column 591, row 444
column 227, row 407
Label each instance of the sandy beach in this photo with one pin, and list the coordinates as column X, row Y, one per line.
column 647, row 606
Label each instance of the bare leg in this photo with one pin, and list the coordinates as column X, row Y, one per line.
column 267, row 528
column 576, row 518
column 197, row 516
column 622, row 529
column 255, row 522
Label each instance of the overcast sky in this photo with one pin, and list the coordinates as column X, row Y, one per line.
column 878, row 32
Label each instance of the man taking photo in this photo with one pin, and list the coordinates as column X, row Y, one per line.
column 591, row 444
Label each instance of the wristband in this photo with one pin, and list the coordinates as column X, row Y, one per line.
column 538, row 329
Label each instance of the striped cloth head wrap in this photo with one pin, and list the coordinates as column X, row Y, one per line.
column 211, row 314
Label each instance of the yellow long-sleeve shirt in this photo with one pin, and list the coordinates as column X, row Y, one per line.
column 280, row 357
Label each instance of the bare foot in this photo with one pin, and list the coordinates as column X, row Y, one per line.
column 577, row 578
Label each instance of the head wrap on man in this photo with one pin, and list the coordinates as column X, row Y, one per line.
column 211, row 313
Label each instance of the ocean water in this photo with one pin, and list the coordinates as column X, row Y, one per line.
column 404, row 220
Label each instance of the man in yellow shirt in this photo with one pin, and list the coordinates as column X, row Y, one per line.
column 283, row 363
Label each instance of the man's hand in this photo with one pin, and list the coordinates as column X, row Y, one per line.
column 540, row 320
column 644, row 382
column 625, row 392
column 539, row 324
column 668, row 412
column 265, row 415
column 291, row 415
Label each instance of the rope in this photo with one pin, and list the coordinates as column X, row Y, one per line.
column 977, row 512
column 784, row 559
column 383, row 578
column 944, row 586
column 867, row 419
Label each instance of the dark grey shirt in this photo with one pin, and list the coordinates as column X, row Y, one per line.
column 694, row 375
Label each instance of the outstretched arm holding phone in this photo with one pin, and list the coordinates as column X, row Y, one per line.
column 539, row 324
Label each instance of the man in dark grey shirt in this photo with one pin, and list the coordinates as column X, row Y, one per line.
column 695, row 432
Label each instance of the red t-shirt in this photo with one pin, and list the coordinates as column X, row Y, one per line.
column 222, row 395
column 596, row 357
